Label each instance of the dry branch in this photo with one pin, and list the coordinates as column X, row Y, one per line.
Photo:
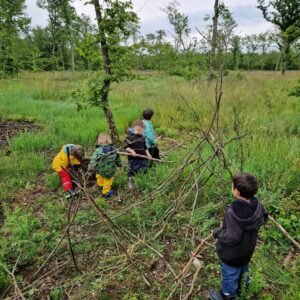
column 284, row 232
column 59, row 242
column 144, row 156
column 187, row 296
column 12, row 275
column 198, row 249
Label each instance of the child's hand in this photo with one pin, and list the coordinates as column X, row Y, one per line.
column 131, row 151
column 148, row 154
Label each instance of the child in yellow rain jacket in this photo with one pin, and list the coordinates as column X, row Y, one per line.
column 104, row 163
column 69, row 156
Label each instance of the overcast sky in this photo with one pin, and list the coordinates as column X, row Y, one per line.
column 248, row 17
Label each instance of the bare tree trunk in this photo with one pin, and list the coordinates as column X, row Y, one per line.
column 213, row 41
column 277, row 63
column 62, row 57
column 107, row 70
column 72, row 57
column 286, row 48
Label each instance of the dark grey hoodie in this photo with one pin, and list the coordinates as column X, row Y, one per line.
column 237, row 237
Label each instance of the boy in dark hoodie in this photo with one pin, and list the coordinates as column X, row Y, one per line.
column 238, row 236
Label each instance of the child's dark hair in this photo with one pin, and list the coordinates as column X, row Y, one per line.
column 148, row 114
column 246, row 184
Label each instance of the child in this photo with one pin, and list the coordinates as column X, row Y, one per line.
column 69, row 157
column 238, row 236
column 135, row 144
column 105, row 161
column 149, row 133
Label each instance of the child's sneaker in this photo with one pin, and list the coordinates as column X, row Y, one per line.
column 109, row 194
column 72, row 193
column 68, row 195
column 218, row 295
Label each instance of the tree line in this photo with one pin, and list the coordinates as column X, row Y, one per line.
column 72, row 42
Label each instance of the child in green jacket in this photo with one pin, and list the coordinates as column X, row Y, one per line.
column 104, row 163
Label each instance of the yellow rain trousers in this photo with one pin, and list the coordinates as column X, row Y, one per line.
column 104, row 183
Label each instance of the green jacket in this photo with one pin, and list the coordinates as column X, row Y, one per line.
column 149, row 134
column 105, row 161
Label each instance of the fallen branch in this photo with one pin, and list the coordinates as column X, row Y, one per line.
column 69, row 237
column 12, row 275
column 198, row 249
column 144, row 156
column 59, row 242
column 173, row 141
column 153, row 249
column 284, row 232
column 187, row 296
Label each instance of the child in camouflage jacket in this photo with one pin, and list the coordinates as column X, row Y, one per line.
column 104, row 163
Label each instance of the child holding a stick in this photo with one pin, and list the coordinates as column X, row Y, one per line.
column 104, row 163
column 135, row 144
column 237, row 237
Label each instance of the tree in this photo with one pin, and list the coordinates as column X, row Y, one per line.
column 180, row 23
column 13, row 22
column 213, row 41
column 285, row 14
column 264, row 42
column 64, row 27
column 112, row 21
column 252, row 45
column 236, row 51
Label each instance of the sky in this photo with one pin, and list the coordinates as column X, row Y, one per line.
column 248, row 17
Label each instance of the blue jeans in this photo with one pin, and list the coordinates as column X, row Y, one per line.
column 136, row 165
column 232, row 278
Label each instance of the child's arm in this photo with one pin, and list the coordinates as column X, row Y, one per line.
column 148, row 154
column 231, row 233
column 131, row 151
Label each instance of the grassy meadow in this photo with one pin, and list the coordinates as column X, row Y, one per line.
column 256, row 104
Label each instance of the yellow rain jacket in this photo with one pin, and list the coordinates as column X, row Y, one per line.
column 61, row 159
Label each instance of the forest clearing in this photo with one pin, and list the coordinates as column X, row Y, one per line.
column 35, row 212
column 149, row 160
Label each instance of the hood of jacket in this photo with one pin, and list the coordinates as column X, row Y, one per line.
column 248, row 215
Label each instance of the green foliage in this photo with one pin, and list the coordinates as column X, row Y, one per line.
column 295, row 91
column 24, row 237
column 57, row 294
column 12, row 22
column 52, row 181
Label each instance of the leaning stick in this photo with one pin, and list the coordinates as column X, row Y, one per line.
column 187, row 296
column 12, row 274
column 284, row 232
column 187, row 266
column 143, row 156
